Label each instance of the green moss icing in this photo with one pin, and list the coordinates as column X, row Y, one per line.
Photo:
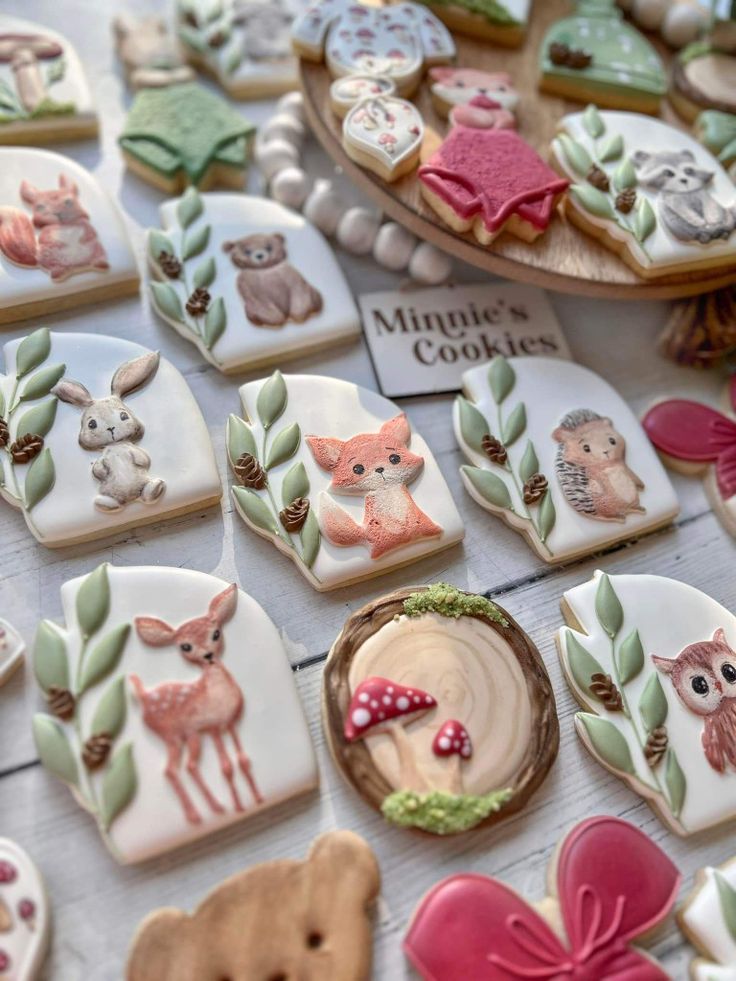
column 439, row 812
column 449, row 601
column 492, row 10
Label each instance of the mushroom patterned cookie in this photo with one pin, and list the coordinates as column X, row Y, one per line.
column 708, row 920
column 24, row 915
column 44, row 95
column 609, row 888
column 248, row 281
column 12, row 650
column 332, row 475
column 88, row 437
column 172, row 709
column 657, row 692
column 499, row 21
column 557, row 454
column 438, row 709
column 384, row 134
column 149, row 52
column 281, row 919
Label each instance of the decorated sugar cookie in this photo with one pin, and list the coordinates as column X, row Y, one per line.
column 384, row 134
column 62, row 240
column 311, row 917
column 247, row 280
column 12, row 650
column 438, row 709
column 332, row 474
column 44, row 94
column 656, row 691
column 594, row 55
column 701, row 330
column 650, row 192
column 557, row 454
column 149, row 53
column 680, row 22
column 609, row 888
column 708, row 919
column 24, row 915
column 500, row 21
column 704, row 73
column 184, row 135
column 399, row 40
column 172, row 707
column 717, row 131
column 89, row 437
column 458, row 86
column 349, row 90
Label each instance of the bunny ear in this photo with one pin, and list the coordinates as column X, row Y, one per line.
column 689, row 431
column 133, row 374
column 73, row 393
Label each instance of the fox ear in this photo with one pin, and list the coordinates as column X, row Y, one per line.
column 68, row 185
column 222, row 607
column 441, row 74
column 326, row 450
column 664, row 664
column 397, row 430
column 28, row 192
column 133, row 374
column 154, row 632
column 73, row 393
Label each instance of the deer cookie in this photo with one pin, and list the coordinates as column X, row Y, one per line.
column 333, row 475
column 25, row 915
column 172, row 709
column 707, row 920
column 62, row 240
column 149, row 52
column 247, row 280
column 557, row 454
column 438, row 709
column 87, row 437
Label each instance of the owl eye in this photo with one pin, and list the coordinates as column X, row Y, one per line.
column 394, row 458
column 359, row 469
column 700, row 685
column 729, row 672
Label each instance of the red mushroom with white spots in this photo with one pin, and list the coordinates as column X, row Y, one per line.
column 381, row 706
column 452, row 740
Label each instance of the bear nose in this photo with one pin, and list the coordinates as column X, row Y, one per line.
column 380, row 469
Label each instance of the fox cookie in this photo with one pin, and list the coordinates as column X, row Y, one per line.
column 172, row 709
column 650, row 192
column 332, row 474
column 44, row 94
column 62, row 240
column 247, row 280
column 459, row 86
column 24, row 915
column 149, row 52
column 707, row 920
column 499, row 21
column 88, row 437
column 438, row 709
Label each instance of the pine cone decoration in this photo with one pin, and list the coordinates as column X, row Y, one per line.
column 25, row 448
column 625, row 200
column 191, row 18
column 656, row 745
column 249, row 471
column 61, row 702
column 4, row 433
column 603, row 687
column 170, row 265
column 579, row 59
column 558, row 53
column 535, row 488
column 217, row 40
column 293, row 517
column 598, row 178
column 96, row 750
column 198, row 302
column 494, row 449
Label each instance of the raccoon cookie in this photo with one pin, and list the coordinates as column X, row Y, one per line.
column 171, row 707
column 704, row 74
column 657, row 692
column 12, row 650
column 453, row 87
column 62, row 240
column 648, row 191
column 708, row 921
column 98, row 435
column 609, row 888
column 332, row 474
column 44, row 95
column 499, row 21
column 384, row 134
column 348, row 91
column 24, row 915
column 307, row 918
column 557, row 454
column 247, row 281
column 149, row 52
column 438, row 709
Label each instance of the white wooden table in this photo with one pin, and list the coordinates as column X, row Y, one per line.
column 98, row 904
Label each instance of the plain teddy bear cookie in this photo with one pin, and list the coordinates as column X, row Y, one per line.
column 557, row 454
column 651, row 661
column 25, row 915
column 707, row 919
column 88, row 437
column 333, row 476
column 438, row 709
column 173, row 708
column 62, row 240
column 247, row 280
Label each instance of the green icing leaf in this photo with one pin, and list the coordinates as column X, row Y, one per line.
column 119, row 784
column 32, row 351
column 653, row 704
column 607, row 742
column 54, row 749
column 110, row 713
column 607, row 607
column 255, row 509
column 204, row 274
column 215, row 322
column 645, row 221
column 39, row 479
column 284, row 446
column 612, row 149
column 727, row 901
column 473, row 425
column 239, row 438
column 104, row 657
column 93, row 600
column 271, row 400
column 295, row 484
column 189, row 208
column 310, row 539
column 547, row 516
column 50, row 661
column 581, row 663
column 42, row 382
column 592, row 122
column 167, row 301
column 158, row 243
column 676, row 783
column 233, row 61
column 196, row 242
column 501, row 378
column 630, row 657
column 575, row 154
column 592, row 200
column 624, row 176
column 490, row 487
column 529, row 462
column 515, row 424
column 38, row 420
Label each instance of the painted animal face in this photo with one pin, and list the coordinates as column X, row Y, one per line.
column 256, row 251
column 457, row 86
column 201, row 640
column 370, row 461
column 675, row 173
column 703, row 674
column 590, row 442
column 60, row 207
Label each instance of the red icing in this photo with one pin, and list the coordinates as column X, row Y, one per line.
column 379, row 700
column 613, row 883
column 452, row 739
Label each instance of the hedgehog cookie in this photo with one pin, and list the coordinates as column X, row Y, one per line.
column 557, row 454
column 24, row 915
column 708, row 920
column 438, row 709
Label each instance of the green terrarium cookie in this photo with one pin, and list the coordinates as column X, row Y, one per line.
column 438, row 709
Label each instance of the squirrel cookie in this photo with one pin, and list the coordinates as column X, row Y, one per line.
column 88, row 437
column 24, row 915
column 557, row 454
column 609, row 889
column 12, row 649
column 172, row 707
column 248, row 281
column 708, row 920
column 333, row 476
column 648, row 191
column 63, row 241
column 499, row 21
column 384, row 134
column 651, row 661
column 704, row 73
column 44, row 95
column 149, row 52
column 438, row 709
column 277, row 920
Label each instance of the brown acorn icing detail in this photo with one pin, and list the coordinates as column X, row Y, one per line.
column 96, row 750
column 61, row 702
column 625, row 200
column 170, row 265
column 656, row 745
column 494, row 449
column 198, row 302
column 249, row 471
column 4, row 433
column 603, row 687
column 598, row 178
column 558, row 53
column 579, row 59
column 25, row 448
column 563, row 55
column 535, row 488
column 293, row 517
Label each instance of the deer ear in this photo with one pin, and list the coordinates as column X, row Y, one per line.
column 28, row 192
column 326, row 450
column 397, row 430
column 664, row 664
column 73, row 393
column 154, row 632
column 222, row 607
column 133, row 374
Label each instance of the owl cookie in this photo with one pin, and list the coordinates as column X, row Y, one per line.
column 708, row 921
column 438, row 709
column 24, row 915
column 172, row 709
